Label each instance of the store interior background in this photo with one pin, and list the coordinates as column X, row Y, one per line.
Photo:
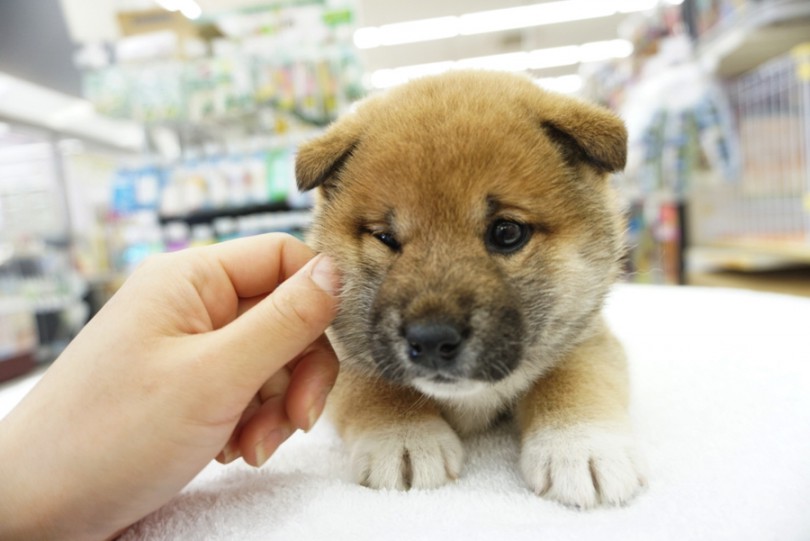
column 132, row 127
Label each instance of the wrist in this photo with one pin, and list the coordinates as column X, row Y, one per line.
column 38, row 498
column 24, row 509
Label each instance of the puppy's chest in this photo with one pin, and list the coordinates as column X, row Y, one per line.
column 468, row 415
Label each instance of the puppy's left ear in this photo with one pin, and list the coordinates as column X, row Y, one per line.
column 587, row 133
column 319, row 161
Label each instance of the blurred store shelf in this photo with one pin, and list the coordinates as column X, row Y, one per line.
column 743, row 257
column 753, row 231
column 787, row 281
column 206, row 216
column 757, row 253
column 39, row 107
column 778, row 267
column 753, row 36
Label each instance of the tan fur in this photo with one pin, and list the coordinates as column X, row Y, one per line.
column 590, row 385
column 434, row 164
column 372, row 407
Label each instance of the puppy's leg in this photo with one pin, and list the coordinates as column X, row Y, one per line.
column 576, row 442
column 396, row 436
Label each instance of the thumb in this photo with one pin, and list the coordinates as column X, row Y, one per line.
column 283, row 324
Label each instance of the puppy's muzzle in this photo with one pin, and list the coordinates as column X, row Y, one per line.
column 434, row 344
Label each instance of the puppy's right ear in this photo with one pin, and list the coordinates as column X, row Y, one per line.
column 320, row 160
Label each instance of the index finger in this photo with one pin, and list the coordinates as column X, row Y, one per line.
column 256, row 265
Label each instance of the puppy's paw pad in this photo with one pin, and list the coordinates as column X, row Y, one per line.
column 424, row 454
column 583, row 466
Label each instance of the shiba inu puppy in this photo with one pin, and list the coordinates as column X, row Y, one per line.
column 474, row 223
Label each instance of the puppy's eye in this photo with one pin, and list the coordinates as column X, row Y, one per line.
column 506, row 236
column 388, row 239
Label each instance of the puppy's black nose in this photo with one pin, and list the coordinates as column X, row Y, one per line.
column 433, row 344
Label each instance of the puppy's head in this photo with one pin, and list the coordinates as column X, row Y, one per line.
column 472, row 219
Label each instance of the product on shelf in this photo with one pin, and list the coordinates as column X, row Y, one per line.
column 708, row 15
column 294, row 58
column 18, row 338
column 655, row 238
column 204, row 199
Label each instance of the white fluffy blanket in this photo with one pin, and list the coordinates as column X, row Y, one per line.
column 721, row 406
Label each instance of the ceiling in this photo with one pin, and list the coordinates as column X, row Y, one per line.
column 379, row 12
column 42, row 70
column 25, row 53
column 97, row 18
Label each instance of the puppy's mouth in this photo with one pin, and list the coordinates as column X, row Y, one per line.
column 441, row 386
column 442, row 379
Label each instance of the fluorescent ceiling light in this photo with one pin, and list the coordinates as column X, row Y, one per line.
column 597, row 51
column 424, row 30
column 534, row 15
column 189, row 8
column 554, row 56
column 503, row 62
column 386, row 78
column 630, row 6
column 494, row 20
column 5, row 84
column 169, row 5
column 567, row 84
column 367, row 38
column 521, row 61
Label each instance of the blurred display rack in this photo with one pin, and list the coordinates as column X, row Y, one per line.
column 754, row 254
column 31, row 106
column 274, row 216
column 41, row 294
column 737, row 45
column 225, row 102
column 206, row 216
column 751, row 256
column 762, row 31
column 763, row 218
column 791, row 281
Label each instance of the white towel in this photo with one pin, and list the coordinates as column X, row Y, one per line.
column 721, row 406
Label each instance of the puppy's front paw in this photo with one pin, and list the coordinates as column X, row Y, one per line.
column 422, row 454
column 582, row 466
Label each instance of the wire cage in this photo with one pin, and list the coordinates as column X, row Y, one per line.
column 770, row 200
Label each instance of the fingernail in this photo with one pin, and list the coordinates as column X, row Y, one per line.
column 265, row 448
column 229, row 454
column 314, row 412
column 323, row 274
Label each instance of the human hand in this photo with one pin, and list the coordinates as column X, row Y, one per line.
column 215, row 350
